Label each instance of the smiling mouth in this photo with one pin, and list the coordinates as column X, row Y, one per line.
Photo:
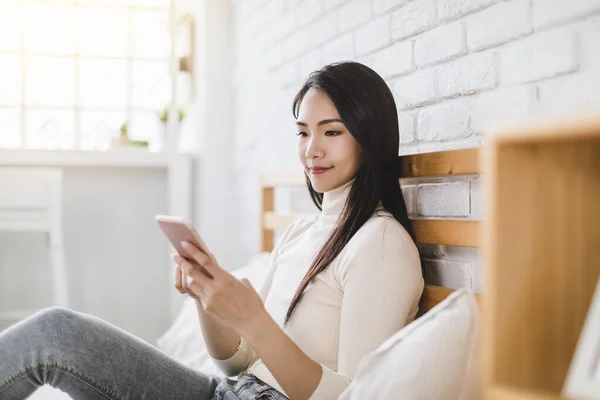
column 317, row 171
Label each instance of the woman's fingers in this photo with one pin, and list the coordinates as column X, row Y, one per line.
column 194, row 282
column 195, row 273
column 196, row 291
column 178, row 278
column 203, row 259
column 177, row 275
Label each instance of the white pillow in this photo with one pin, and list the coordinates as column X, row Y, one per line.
column 435, row 357
column 183, row 340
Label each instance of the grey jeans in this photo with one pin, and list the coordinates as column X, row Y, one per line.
column 88, row 358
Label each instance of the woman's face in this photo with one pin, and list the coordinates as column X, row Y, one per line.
column 327, row 150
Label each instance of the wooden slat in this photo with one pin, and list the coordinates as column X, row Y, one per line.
column 455, row 162
column 267, row 238
column 542, row 238
column 433, row 295
column 511, row 393
column 448, row 232
column 579, row 125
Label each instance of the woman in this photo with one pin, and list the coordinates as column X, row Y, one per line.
column 339, row 284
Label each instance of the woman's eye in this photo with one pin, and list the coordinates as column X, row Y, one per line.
column 301, row 134
column 332, row 133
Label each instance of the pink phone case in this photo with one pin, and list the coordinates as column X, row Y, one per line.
column 178, row 230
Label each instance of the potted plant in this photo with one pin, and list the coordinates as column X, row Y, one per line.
column 163, row 115
column 124, row 141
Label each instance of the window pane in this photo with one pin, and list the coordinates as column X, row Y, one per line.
column 144, row 125
column 9, row 25
column 184, row 89
column 10, row 79
column 99, row 127
column 49, row 28
column 103, row 83
column 49, row 81
column 10, row 127
column 151, row 34
column 103, row 31
column 150, row 3
column 135, row 3
column 123, row 3
column 151, row 84
column 50, row 129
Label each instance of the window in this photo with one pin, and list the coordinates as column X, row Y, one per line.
column 72, row 72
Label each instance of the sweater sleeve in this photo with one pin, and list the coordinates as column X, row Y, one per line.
column 245, row 354
column 382, row 283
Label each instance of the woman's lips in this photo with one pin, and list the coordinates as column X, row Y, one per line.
column 317, row 171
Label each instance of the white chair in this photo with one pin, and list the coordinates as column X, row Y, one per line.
column 31, row 201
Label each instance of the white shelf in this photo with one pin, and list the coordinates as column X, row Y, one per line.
column 64, row 158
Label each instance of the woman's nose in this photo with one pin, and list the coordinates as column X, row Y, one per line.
column 313, row 149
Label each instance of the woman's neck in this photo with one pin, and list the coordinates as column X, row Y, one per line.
column 334, row 200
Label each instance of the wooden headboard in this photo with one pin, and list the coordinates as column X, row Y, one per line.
column 436, row 231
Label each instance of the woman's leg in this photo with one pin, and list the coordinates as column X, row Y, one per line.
column 88, row 358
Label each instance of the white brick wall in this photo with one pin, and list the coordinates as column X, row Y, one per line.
column 540, row 56
column 415, row 90
column 353, row 14
column 553, row 12
column 446, row 199
column 492, row 107
column 415, row 17
column 407, row 124
column 394, row 60
column 468, row 75
column 374, row 35
column 489, row 28
column 452, row 9
column 445, row 121
column 440, row 44
column 456, row 68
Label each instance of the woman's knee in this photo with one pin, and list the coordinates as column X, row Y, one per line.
column 54, row 318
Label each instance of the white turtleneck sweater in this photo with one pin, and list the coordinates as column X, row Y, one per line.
column 369, row 291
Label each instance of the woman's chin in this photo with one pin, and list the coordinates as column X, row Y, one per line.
column 321, row 185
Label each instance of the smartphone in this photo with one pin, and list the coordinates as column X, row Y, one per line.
column 177, row 230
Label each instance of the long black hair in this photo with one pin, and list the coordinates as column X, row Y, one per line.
column 367, row 108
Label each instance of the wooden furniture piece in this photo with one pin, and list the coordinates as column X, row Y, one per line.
column 31, row 201
column 541, row 251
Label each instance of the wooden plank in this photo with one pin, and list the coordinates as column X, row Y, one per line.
column 580, row 125
column 509, row 393
column 448, row 232
column 443, row 163
column 433, row 295
column 542, row 237
column 267, row 205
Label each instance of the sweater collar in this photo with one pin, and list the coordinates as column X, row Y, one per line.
column 334, row 200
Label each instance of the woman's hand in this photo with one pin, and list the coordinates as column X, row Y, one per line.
column 232, row 302
column 178, row 276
